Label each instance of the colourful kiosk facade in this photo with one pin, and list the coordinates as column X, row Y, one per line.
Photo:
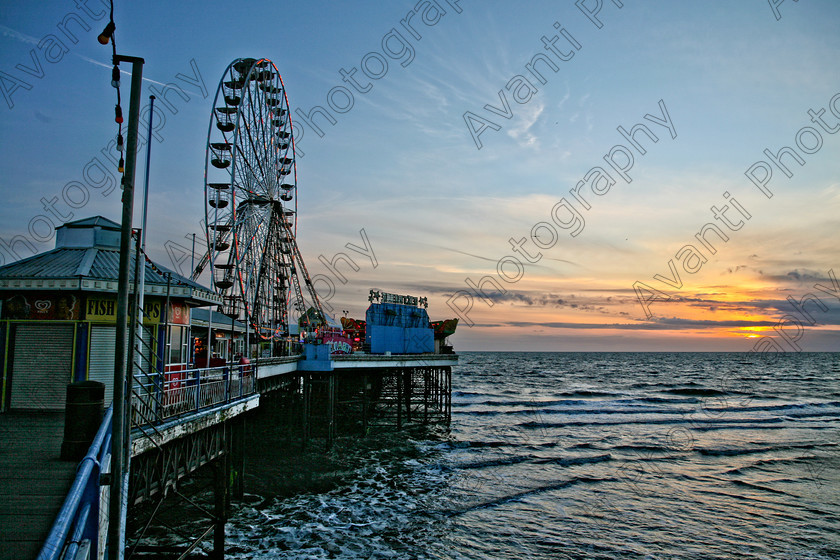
column 58, row 316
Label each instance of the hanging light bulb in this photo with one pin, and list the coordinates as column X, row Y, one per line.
column 115, row 76
column 118, row 114
column 106, row 34
column 121, row 167
column 120, row 142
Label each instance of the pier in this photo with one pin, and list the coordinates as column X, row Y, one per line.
column 199, row 428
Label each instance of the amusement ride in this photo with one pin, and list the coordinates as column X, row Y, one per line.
column 251, row 203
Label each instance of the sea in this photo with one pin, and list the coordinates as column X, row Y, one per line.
column 585, row 456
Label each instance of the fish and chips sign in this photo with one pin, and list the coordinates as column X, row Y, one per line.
column 104, row 310
column 385, row 297
column 68, row 307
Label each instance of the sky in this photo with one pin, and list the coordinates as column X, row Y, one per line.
column 561, row 176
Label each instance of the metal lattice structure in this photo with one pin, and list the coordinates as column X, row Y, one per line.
column 251, row 202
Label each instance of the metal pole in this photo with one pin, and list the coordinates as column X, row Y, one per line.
column 141, row 293
column 167, row 327
column 307, row 396
column 140, row 275
column 148, row 161
column 209, row 336
column 248, row 334
column 167, row 348
column 134, row 331
column 120, row 435
column 221, row 480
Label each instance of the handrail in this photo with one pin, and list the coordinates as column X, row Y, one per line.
column 161, row 396
column 81, row 506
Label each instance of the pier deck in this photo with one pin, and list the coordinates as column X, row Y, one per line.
column 33, row 480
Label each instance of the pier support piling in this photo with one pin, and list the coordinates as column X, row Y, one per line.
column 221, row 476
column 331, row 411
column 399, row 400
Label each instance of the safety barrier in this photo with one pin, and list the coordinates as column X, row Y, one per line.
column 162, row 396
column 82, row 521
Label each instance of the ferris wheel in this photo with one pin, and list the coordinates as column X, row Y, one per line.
column 250, row 188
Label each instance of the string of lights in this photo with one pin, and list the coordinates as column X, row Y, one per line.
column 104, row 38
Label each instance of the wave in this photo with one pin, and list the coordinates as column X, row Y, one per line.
column 481, row 444
column 571, row 412
column 585, row 393
column 774, row 462
column 518, row 459
column 759, row 487
column 568, row 461
column 667, row 400
column 732, row 451
column 779, row 407
column 695, row 392
column 518, row 496
column 496, row 462
column 794, row 412
column 700, row 423
column 640, row 447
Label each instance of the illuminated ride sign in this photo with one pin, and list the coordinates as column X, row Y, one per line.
column 385, row 297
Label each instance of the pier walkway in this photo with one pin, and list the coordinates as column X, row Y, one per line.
column 33, row 480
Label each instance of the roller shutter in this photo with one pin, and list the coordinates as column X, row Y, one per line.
column 42, row 366
column 101, row 364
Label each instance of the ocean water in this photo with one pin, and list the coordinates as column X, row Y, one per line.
column 587, row 455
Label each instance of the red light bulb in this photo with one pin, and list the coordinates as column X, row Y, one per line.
column 105, row 36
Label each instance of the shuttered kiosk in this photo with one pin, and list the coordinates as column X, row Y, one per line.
column 58, row 315
column 42, row 365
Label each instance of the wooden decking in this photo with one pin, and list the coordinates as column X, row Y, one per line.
column 33, row 480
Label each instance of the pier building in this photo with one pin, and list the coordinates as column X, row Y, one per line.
column 58, row 315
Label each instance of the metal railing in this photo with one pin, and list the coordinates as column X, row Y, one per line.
column 161, row 396
column 77, row 526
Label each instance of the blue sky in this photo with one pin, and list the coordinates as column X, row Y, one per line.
column 439, row 213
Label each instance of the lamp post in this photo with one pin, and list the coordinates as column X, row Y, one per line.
column 121, row 434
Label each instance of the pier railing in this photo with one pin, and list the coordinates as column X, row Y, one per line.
column 158, row 397
column 81, row 521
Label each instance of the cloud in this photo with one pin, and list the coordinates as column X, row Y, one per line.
column 30, row 40
column 521, row 132
column 672, row 323
column 22, row 37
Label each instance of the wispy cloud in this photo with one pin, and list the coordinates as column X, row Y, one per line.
column 522, row 131
column 30, row 40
